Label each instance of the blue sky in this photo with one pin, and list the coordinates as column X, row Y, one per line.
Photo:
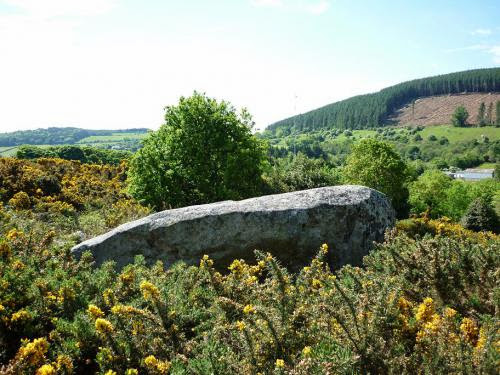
column 117, row 63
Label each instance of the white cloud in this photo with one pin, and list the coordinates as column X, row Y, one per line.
column 493, row 50
column 482, row 32
column 315, row 7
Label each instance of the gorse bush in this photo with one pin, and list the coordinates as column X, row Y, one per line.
column 67, row 195
column 425, row 302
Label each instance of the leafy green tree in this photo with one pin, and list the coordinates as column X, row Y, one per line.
column 459, row 117
column 438, row 195
column 480, row 216
column 496, row 173
column 205, row 152
column 377, row 165
column 457, row 198
column 428, row 193
column 481, row 121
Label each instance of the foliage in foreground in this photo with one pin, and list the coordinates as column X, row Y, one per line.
column 421, row 305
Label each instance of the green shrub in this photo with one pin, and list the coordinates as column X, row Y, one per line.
column 480, row 216
column 299, row 173
column 205, row 152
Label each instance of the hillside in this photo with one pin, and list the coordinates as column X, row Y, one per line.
column 59, row 136
column 374, row 110
column 436, row 110
column 124, row 139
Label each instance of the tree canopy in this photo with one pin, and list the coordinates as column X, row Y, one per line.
column 205, row 152
column 460, row 116
column 376, row 164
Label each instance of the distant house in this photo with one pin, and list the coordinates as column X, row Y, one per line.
column 471, row 174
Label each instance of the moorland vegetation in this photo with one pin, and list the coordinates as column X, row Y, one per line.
column 425, row 301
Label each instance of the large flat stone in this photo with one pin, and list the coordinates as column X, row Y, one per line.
column 292, row 226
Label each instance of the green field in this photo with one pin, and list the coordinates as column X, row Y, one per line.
column 11, row 151
column 487, row 166
column 455, row 134
column 8, row 151
column 122, row 141
column 115, row 137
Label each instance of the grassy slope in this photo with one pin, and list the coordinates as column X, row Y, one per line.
column 453, row 134
column 116, row 137
column 95, row 141
column 461, row 134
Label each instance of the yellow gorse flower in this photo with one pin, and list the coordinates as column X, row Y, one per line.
column 64, row 363
column 450, row 313
column 425, row 310
column 251, row 280
column 46, row 370
column 122, row 310
column 237, row 267
column 34, row 352
column 20, row 315
column 149, row 290
column 481, row 341
column 306, row 352
column 404, row 305
column 95, row 311
column 469, row 330
column 127, row 277
column 280, row 363
column 153, row 363
column 240, row 325
column 150, row 361
column 249, row 309
column 14, row 234
column 108, row 296
column 429, row 328
column 324, row 248
column 316, row 284
column 103, row 326
column 206, row 262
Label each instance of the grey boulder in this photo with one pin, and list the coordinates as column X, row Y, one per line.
column 292, row 226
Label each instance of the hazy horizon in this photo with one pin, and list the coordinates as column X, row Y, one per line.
column 115, row 64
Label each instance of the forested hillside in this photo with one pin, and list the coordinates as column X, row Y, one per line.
column 373, row 110
column 56, row 136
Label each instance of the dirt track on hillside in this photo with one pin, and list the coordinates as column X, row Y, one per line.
column 437, row 110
